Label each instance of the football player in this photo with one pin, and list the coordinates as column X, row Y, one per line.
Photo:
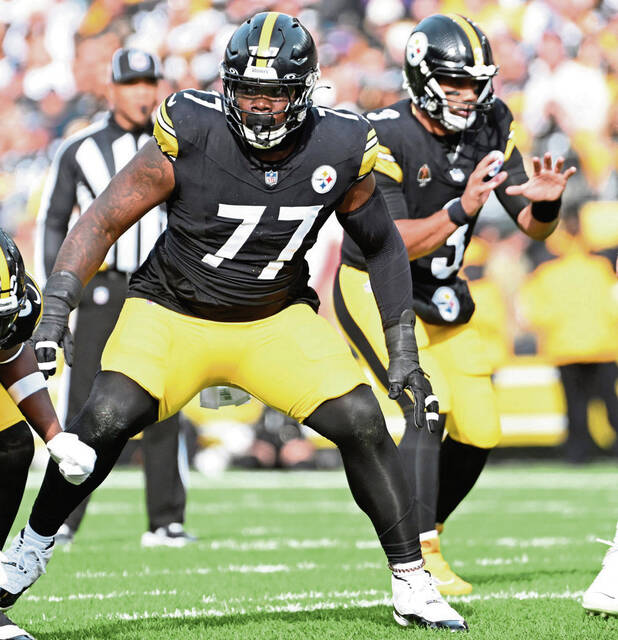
column 442, row 152
column 249, row 177
column 24, row 399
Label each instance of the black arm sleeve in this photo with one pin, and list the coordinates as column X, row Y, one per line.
column 374, row 231
column 517, row 175
column 59, row 197
column 393, row 196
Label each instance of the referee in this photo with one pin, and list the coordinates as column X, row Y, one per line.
column 82, row 168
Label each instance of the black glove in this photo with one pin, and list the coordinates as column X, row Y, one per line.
column 60, row 296
column 404, row 371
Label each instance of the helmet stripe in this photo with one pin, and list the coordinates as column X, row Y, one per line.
column 472, row 35
column 5, row 276
column 265, row 36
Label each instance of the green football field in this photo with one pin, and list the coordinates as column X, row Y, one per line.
column 290, row 556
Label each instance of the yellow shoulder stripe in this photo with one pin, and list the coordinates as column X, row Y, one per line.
column 265, row 37
column 370, row 155
column 510, row 143
column 387, row 164
column 164, row 132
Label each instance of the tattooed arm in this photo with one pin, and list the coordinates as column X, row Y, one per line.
column 146, row 181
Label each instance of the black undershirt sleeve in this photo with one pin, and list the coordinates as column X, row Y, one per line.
column 375, row 233
column 393, row 196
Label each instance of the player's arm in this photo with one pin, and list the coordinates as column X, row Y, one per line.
column 422, row 236
column 25, row 384
column 534, row 202
column 146, row 181
column 364, row 216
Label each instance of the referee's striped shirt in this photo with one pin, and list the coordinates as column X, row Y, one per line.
column 80, row 171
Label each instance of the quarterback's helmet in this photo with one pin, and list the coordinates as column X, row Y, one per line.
column 12, row 286
column 271, row 52
column 448, row 46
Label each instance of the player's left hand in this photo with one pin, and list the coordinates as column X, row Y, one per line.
column 547, row 182
column 75, row 458
column 404, row 372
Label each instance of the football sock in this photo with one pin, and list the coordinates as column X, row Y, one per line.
column 420, row 454
column 428, row 535
column 460, row 466
column 373, row 468
column 31, row 535
column 16, row 451
column 117, row 409
column 406, row 567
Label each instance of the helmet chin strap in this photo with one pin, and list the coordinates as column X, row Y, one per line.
column 254, row 127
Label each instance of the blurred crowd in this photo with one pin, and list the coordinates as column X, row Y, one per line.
column 558, row 73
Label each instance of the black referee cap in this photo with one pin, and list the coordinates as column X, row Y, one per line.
column 133, row 64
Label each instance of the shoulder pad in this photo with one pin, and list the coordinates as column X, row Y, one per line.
column 183, row 116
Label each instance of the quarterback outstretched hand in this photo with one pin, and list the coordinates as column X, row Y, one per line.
column 547, row 182
column 404, row 372
column 51, row 334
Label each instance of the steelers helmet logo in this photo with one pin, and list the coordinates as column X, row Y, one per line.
column 447, row 302
column 416, row 49
column 323, row 179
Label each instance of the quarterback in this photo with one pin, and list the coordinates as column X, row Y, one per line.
column 24, row 399
column 442, row 152
column 249, row 177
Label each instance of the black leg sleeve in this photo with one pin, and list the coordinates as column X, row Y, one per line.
column 165, row 491
column 76, row 516
column 373, row 468
column 460, row 467
column 420, row 454
column 117, row 409
column 16, row 451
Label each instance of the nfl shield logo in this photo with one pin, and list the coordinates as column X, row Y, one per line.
column 271, row 178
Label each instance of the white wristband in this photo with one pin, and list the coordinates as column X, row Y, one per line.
column 26, row 386
column 14, row 356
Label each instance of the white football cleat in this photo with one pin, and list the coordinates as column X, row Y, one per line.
column 417, row 601
column 602, row 595
column 172, row 535
column 23, row 564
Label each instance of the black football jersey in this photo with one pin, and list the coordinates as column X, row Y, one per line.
column 238, row 229
column 431, row 171
column 29, row 317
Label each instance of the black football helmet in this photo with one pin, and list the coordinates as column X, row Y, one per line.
column 12, row 286
column 448, row 46
column 273, row 53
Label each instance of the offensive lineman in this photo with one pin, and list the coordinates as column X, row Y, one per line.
column 440, row 157
column 24, row 396
column 249, row 178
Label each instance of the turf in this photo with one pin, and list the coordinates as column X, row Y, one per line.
column 284, row 555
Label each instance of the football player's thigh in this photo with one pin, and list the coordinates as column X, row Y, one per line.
column 297, row 361
column 359, row 318
column 474, row 415
column 9, row 413
column 163, row 351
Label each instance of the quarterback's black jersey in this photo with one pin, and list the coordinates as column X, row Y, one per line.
column 28, row 318
column 431, row 171
column 238, row 230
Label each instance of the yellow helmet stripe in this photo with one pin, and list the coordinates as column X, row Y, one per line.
column 265, row 36
column 5, row 276
column 470, row 32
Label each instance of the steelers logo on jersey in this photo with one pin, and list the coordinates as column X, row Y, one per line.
column 448, row 305
column 323, row 178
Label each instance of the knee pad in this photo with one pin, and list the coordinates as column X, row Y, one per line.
column 16, row 446
column 117, row 408
column 352, row 419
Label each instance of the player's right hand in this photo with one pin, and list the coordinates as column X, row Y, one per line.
column 75, row 458
column 481, row 183
column 51, row 334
